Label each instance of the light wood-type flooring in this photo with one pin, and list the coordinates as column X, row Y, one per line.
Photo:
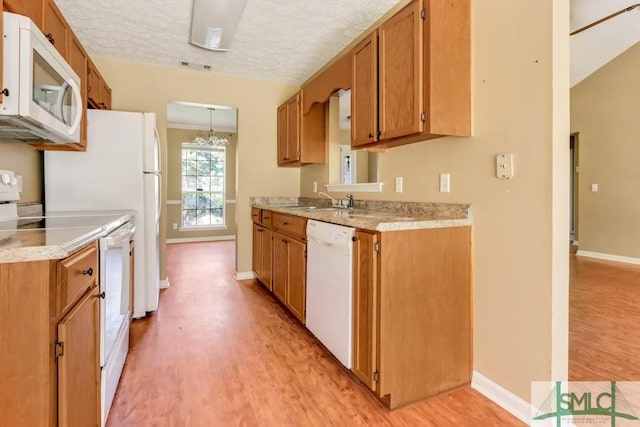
column 604, row 320
column 221, row 352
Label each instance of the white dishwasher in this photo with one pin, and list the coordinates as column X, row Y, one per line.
column 329, row 286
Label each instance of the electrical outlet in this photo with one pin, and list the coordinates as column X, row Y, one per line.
column 399, row 183
column 445, row 183
column 315, row 186
column 175, row 226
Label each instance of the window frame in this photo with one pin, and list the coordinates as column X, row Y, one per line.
column 222, row 193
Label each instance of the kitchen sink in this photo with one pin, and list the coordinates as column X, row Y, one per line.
column 316, row 208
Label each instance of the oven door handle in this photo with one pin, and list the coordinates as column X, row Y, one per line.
column 120, row 236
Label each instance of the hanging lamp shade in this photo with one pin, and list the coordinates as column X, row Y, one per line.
column 214, row 23
column 211, row 138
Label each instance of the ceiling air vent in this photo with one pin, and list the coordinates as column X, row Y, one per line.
column 195, row 66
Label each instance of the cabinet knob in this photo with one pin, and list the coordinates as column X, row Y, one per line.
column 380, row 133
column 370, row 135
column 88, row 271
column 49, row 37
column 102, row 295
column 285, row 223
column 354, row 239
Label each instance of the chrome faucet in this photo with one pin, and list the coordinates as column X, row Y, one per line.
column 350, row 201
column 334, row 202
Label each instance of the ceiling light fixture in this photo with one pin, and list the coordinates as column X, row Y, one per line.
column 211, row 138
column 214, row 23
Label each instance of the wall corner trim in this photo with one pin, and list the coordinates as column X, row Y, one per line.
column 502, row 397
column 244, row 275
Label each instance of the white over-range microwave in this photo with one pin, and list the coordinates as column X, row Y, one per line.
column 40, row 99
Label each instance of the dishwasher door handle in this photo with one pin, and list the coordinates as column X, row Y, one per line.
column 318, row 241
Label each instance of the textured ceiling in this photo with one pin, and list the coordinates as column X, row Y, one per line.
column 593, row 48
column 278, row 40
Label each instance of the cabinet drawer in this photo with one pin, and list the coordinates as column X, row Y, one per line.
column 289, row 224
column 266, row 218
column 76, row 274
column 255, row 215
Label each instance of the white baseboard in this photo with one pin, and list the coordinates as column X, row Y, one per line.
column 164, row 284
column 244, row 275
column 200, row 239
column 609, row 257
column 503, row 397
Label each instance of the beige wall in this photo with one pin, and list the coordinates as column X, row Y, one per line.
column 143, row 87
column 605, row 111
column 25, row 161
column 175, row 138
column 520, row 109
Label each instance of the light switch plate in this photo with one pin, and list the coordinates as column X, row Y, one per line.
column 445, row 183
column 504, row 166
column 594, row 188
column 399, row 183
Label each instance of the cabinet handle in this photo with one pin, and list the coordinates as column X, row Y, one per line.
column 88, row 271
column 285, row 223
column 102, row 295
column 380, row 134
column 49, row 37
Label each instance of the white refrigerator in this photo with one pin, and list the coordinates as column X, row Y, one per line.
column 119, row 171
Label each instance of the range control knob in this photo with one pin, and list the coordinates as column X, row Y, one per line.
column 5, row 178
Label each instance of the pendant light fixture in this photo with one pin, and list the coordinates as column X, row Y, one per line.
column 214, row 23
column 211, row 138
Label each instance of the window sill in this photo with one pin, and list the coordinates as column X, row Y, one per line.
column 203, row 227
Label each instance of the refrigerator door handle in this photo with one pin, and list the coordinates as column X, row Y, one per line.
column 159, row 198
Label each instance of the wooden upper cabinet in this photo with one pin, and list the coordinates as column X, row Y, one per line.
column 98, row 92
column 400, row 62
column 55, row 27
column 422, row 55
column 364, row 92
column 293, row 129
column 30, row 8
column 105, row 92
column 282, row 134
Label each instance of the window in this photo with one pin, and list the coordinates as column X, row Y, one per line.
column 203, row 176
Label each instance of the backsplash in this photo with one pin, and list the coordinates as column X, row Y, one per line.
column 450, row 210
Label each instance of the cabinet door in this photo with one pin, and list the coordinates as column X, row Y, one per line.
column 401, row 79
column 365, row 298
column 79, row 365
column 282, row 134
column 266, row 264
column 55, row 27
column 293, row 128
column 280, row 267
column 94, row 85
column 257, row 250
column 296, row 291
column 105, row 95
column 364, row 92
column 30, row 8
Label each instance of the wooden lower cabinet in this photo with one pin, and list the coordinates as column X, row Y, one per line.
column 365, row 298
column 79, row 361
column 412, row 312
column 289, row 273
column 262, row 255
column 280, row 257
column 50, row 360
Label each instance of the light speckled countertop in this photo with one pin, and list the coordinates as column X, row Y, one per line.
column 56, row 235
column 374, row 215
